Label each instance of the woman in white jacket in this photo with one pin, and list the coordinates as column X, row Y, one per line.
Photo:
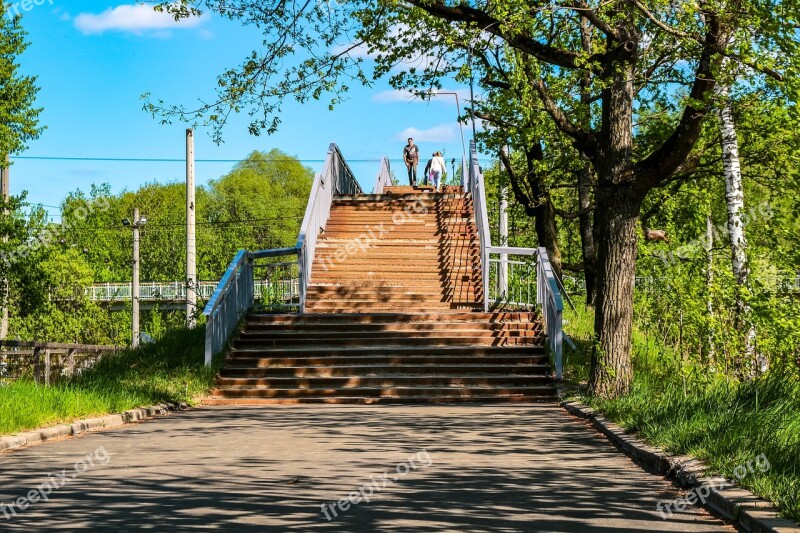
column 438, row 167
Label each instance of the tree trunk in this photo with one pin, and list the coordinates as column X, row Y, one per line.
column 543, row 209
column 734, row 197
column 588, row 248
column 616, row 218
column 547, row 233
column 537, row 203
column 586, row 181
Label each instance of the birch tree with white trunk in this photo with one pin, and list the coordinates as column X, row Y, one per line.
column 734, row 198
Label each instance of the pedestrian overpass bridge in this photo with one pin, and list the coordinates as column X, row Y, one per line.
column 397, row 295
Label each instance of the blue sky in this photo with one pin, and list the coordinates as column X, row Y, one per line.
column 94, row 60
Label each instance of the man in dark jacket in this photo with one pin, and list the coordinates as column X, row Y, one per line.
column 411, row 159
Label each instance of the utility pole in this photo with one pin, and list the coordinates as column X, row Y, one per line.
column 138, row 222
column 191, row 240
column 135, row 285
column 5, row 177
column 502, row 275
column 5, row 180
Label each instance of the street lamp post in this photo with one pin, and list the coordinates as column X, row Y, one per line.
column 470, row 48
column 138, row 222
column 432, row 93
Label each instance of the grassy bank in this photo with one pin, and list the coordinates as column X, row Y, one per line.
column 170, row 370
column 683, row 408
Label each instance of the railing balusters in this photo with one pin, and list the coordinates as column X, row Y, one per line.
column 235, row 294
column 548, row 295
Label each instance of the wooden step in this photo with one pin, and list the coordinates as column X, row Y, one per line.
column 398, row 392
column 540, row 396
column 424, row 368
column 383, row 318
column 394, row 380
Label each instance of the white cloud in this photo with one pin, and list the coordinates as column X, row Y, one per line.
column 136, row 19
column 440, row 133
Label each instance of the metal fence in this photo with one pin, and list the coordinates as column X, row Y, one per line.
column 48, row 362
column 336, row 179
column 512, row 283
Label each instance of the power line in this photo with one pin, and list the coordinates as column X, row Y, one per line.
column 176, row 160
column 220, row 224
column 170, row 160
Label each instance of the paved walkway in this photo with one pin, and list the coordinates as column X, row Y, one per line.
column 469, row 468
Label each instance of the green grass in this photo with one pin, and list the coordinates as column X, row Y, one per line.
column 685, row 409
column 170, row 370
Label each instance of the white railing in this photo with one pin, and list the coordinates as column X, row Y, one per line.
column 283, row 284
column 236, row 293
column 515, row 279
column 548, row 297
column 384, row 177
column 166, row 290
column 478, row 192
column 232, row 298
column 170, row 291
column 336, row 179
column 512, row 283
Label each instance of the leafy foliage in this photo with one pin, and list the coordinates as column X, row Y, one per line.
column 19, row 119
column 258, row 205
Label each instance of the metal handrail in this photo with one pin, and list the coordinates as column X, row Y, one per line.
column 384, row 177
column 548, row 294
column 548, row 297
column 336, row 179
column 481, row 217
column 235, row 295
column 232, row 298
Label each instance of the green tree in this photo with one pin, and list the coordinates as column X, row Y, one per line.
column 19, row 119
column 654, row 66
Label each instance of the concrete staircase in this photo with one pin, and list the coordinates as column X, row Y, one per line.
column 380, row 358
column 391, row 317
column 401, row 251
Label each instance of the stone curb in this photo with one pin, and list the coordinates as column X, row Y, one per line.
column 739, row 506
column 84, row 426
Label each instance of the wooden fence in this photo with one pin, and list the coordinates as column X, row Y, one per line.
column 47, row 362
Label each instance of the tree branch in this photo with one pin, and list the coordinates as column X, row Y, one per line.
column 713, row 46
column 519, row 194
column 465, row 13
column 589, row 14
column 585, row 141
column 571, row 216
column 488, row 117
column 664, row 162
